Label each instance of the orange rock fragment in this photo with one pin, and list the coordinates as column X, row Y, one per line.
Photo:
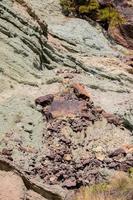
column 67, row 157
column 81, row 90
column 128, row 148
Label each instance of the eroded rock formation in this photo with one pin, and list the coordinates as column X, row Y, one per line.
column 74, row 157
column 16, row 182
column 24, row 48
column 38, row 60
column 115, row 16
column 124, row 33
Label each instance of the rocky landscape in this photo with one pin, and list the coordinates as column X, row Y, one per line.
column 66, row 101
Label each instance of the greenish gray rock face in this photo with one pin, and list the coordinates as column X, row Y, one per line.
column 16, row 116
column 86, row 38
column 80, row 35
column 20, row 45
column 23, row 44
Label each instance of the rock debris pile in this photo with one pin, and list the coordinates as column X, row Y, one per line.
column 69, row 159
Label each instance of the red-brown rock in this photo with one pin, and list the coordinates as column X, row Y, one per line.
column 65, row 108
column 70, row 183
column 123, row 33
column 80, row 90
column 117, row 152
column 44, row 100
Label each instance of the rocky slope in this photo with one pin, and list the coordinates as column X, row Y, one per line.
column 124, row 33
column 114, row 16
column 37, row 60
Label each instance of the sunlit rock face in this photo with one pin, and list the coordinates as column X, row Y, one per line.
column 21, row 41
column 124, row 33
column 84, row 89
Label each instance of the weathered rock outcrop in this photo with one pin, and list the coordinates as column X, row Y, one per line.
column 23, row 43
column 16, row 182
column 22, row 39
column 124, row 33
column 114, row 15
column 37, row 60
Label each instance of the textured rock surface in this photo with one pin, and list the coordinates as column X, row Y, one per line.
column 15, row 184
column 105, row 74
column 88, row 40
column 20, row 41
column 54, row 150
column 34, row 65
column 24, row 48
column 124, row 33
column 11, row 186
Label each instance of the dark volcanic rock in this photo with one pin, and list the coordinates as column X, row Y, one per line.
column 44, row 100
column 117, row 152
column 70, row 159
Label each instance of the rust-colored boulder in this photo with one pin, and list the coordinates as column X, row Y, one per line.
column 80, row 90
column 65, row 108
column 44, row 100
column 72, row 102
column 128, row 148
